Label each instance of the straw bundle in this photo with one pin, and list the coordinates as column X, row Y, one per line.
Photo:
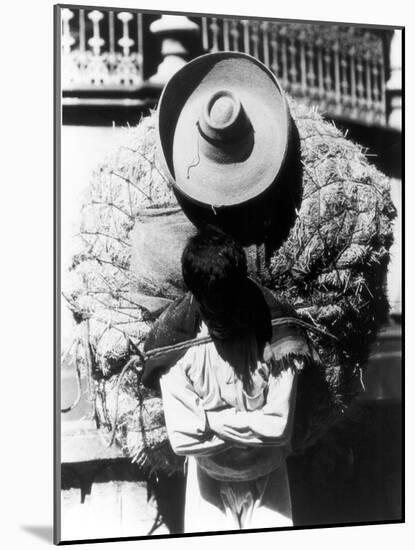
column 332, row 268
column 333, row 265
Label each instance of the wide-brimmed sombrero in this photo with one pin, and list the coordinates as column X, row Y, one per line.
column 224, row 126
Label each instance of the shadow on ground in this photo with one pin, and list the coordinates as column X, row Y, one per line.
column 42, row 532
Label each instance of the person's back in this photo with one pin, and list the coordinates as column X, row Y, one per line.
column 229, row 400
column 209, row 368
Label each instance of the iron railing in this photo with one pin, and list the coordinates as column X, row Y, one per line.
column 339, row 68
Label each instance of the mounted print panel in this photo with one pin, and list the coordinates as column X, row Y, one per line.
column 228, row 205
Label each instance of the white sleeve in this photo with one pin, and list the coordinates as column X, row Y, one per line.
column 271, row 425
column 187, row 426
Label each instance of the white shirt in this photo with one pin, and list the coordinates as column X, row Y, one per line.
column 233, row 433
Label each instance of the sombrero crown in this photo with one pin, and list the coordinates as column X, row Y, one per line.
column 224, row 126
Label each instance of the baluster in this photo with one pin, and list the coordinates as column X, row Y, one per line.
column 226, row 35
column 274, row 50
column 375, row 87
column 96, row 42
column 97, row 68
column 246, row 36
column 382, row 90
column 303, row 68
column 235, row 35
column 215, row 34
column 344, row 84
column 67, row 39
column 359, row 83
column 394, row 84
column 293, row 72
column 375, row 63
column 327, row 75
column 127, row 68
column 353, row 96
column 80, row 71
column 112, row 58
column 125, row 42
column 265, row 42
column 369, row 102
column 336, row 57
column 284, row 57
column 320, row 73
column 205, row 34
column 70, row 68
column 255, row 38
column 311, row 75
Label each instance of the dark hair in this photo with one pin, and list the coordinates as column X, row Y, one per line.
column 214, row 267
column 233, row 308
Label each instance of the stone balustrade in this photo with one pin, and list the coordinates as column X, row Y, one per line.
column 101, row 50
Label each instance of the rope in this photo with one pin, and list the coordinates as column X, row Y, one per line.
column 303, row 324
column 195, row 162
column 78, row 383
column 130, row 363
column 156, row 524
column 157, row 352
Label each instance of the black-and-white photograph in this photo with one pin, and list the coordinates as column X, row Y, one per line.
column 229, row 200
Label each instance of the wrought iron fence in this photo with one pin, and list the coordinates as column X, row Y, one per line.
column 339, row 68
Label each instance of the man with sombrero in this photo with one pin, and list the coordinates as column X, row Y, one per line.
column 225, row 137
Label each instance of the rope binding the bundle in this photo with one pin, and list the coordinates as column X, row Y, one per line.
column 138, row 361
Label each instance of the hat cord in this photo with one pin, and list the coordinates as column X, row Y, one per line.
column 196, row 162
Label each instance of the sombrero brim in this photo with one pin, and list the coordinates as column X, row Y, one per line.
column 198, row 177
